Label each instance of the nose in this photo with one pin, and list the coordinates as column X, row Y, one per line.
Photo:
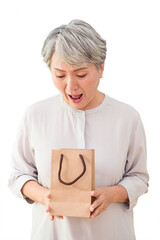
column 71, row 84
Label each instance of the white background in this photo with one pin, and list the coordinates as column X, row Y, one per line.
column 132, row 73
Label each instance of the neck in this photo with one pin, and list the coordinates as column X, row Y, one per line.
column 96, row 101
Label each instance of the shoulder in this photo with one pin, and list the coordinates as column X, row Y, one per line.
column 44, row 107
column 122, row 110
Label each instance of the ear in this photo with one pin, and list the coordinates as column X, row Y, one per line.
column 101, row 70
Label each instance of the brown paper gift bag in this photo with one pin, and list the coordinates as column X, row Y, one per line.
column 72, row 179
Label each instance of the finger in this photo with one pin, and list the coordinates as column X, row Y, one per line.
column 95, row 193
column 52, row 217
column 59, row 217
column 91, row 217
column 95, row 204
column 48, row 195
column 101, row 208
column 98, row 211
column 48, row 209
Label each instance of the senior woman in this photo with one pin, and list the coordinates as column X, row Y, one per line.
column 81, row 117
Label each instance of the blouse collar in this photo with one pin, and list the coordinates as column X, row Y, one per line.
column 89, row 111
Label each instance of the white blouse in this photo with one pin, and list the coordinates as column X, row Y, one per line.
column 115, row 131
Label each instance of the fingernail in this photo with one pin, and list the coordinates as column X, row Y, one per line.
column 92, row 216
column 91, row 209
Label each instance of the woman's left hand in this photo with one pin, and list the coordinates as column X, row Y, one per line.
column 103, row 198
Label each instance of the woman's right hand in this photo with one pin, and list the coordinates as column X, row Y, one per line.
column 36, row 192
column 47, row 200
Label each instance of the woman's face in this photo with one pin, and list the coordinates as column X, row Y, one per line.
column 78, row 85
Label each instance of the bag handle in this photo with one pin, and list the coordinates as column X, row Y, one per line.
column 75, row 180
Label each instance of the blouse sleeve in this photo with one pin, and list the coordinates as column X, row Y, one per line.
column 23, row 166
column 135, row 179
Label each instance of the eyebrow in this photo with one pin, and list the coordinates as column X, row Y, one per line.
column 73, row 71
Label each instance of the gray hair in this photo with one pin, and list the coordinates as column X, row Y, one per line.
column 77, row 43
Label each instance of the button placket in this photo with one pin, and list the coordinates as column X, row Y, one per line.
column 81, row 128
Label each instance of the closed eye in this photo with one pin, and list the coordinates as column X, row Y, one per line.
column 60, row 76
column 81, row 76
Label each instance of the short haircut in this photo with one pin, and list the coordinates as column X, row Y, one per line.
column 77, row 43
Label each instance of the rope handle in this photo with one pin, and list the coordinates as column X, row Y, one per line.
column 76, row 179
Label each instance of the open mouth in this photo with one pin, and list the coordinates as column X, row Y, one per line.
column 76, row 98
